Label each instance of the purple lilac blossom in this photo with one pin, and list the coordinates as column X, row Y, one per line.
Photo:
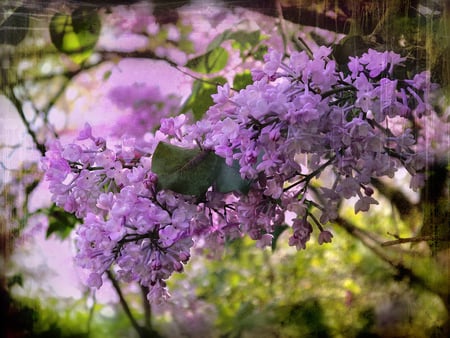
column 145, row 235
column 146, row 106
column 298, row 118
column 303, row 106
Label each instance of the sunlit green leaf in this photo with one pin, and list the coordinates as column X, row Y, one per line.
column 87, row 25
column 75, row 34
column 200, row 99
column 210, row 62
column 241, row 40
column 242, row 80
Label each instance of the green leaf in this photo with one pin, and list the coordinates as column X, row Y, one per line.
column 60, row 222
column 186, row 171
column 276, row 234
column 107, row 75
column 242, row 80
column 29, row 188
column 185, row 45
column 217, row 41
column 229, row 178
column 15, row 27
column 193, row 171
column 200, row 99
column 15, row 279
column 210, row 62
column 87, row 26
column 75, row 34
column 245, row 40
column 260, row 52
column 352, row 45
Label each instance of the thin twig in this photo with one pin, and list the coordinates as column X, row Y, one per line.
column 282, row 28
column 150, row 55
column 408, row 240
column 91, row 314
column 40, row 147
column 338, row 90
column 69, row 76
column 311, row 175
column 376, row 247
column 300, row 42
column 124, row 303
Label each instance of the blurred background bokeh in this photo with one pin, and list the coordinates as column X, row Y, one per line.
column 67, row 63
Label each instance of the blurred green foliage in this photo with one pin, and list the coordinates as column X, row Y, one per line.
column 65, row 318
column 346, row 291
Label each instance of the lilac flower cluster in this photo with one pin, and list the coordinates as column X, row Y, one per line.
column 145, row 233
column 300, row 117
column 303, row 116
column 146, row 106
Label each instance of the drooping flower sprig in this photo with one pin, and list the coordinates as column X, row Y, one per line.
column 256, row 156
column 303, row 116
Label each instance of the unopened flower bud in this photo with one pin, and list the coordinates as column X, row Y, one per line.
column 368, row 191
column 325, row 237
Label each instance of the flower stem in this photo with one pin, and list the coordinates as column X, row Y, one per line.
column 124, row 303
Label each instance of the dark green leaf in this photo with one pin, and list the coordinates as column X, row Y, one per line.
column 29, row 188
column 276, row 234
column 193, row 171
column 229, row 179
column 211, row 62
column 15, row 279
column 15, row 27
column 245, row 40
column 60, row 222
column 200, row 99
column 86, row 24
column 260, row 52
column 242, row 80
column 352, row 45
column 186, row 171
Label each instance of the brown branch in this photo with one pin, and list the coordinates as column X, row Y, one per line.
column 305, row 15
column 403, row 205
column 300, row 14
column 313, row 18
column 147, row 308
